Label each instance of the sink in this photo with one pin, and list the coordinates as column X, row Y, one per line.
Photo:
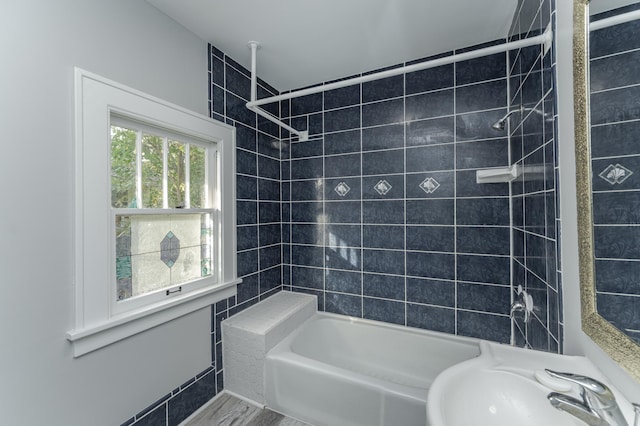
column 500, row 388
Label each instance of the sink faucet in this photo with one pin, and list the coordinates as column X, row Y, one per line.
column 598, row 406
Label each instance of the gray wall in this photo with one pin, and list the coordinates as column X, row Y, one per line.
column 134, row 44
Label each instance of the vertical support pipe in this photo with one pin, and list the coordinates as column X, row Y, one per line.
column 254, row 45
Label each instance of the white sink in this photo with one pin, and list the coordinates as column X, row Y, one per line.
column 499, row 388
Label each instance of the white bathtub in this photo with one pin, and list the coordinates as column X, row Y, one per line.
column 338, row 371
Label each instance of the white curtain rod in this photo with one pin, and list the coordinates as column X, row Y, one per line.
column 614, row 20
column 254, row 105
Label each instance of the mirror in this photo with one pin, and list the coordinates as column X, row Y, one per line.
column 607, row 132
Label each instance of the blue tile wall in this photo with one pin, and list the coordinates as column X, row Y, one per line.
column 535, row 214
column 259, row 233
column 615, row 86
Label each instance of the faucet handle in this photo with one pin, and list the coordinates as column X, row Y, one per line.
column 592, row 385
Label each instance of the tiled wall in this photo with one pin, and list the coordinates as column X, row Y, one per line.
column 615, row 133
column 536, row 226
column 384, row 218
column 259, row 222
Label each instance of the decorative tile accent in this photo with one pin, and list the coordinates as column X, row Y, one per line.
column 429, row 185
column 615, row 174
column 342, row 189
column 382, row 187
column 169, row 249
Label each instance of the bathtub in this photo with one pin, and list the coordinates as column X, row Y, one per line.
column 340, row 371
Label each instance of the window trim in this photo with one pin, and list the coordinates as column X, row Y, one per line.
column 96, row 99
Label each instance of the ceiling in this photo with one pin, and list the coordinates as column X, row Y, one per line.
column 306, row 42
column 598, row 6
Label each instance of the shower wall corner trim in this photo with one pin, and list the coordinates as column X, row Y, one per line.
column 254, row 105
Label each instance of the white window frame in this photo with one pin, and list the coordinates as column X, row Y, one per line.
column 97, row 320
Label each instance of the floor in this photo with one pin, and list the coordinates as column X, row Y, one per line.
column 228, row 410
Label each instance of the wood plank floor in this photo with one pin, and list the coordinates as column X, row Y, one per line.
column 228, row 410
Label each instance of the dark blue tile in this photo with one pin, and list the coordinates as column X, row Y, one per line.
column 480, row 154
column 484, row 326
column 247, row 212
column 614, row 71
column 246, row 187
column 431, row 265
column 383, row 137
column 617, row 242
column 534, row 213
column 343, row 257
column 384, row 286
column 483, row 240
column 306, row 190
column 383, row 162
column 307, row 233
column 537, row 335
column 247, row 237
column 432, row 292
column 307, row 277
column 343, row 281
column 343, row 304
column 269, row 212
column 431, row 238
column 248, row 288
column 238, row 83
column 384, row 88
column 342, row 119
column 342, row 142
column 311, row 148
column 384, row 310
column 247, row 262
column 345, row 96
column 614, row 39
column 343, row 235
column 484, row 298
column 429, row 79
column 237, row 110
column 615, row 105
column 270, row 279
column 429, row 105
column 615, row 139
column 430, row 158
column 218, row 71
column 268, row 167
column 269, row 146
column 157, row 417
column 483, row 269
column 268, row 190
column 343, row 211
column 383, row 187
column 306, row 104
column 620, row 310
column 430, row 131
column 477, row 125
column 430, row 185
column 617, row 276
column 481, row 96
column 383, row 236
column 342, row 165
column 307, row 168
column 466, row 186
column 246, row 162
column 306, row 212
column 536, row 253
column 307, row 255
column 431, row 318
column 606, row 171
column 488, row 67
column 189, row 400
column 384, row 112
column 383, row 212
column 430, row 212
column 342, row 188
column 383, row 261
column 482, row 211
column 316, row 124
column 218, row 100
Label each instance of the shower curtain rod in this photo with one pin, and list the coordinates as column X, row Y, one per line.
column 254, row 105
column 614, row 20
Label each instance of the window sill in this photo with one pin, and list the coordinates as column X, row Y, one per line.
column 88, row 339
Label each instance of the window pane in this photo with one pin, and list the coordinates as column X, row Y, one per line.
column 123, row 167
column 159, row 251
column 176, row 174
column 152, row 167
column 197, row 174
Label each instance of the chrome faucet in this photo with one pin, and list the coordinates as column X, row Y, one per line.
column 598, row 406
column 524, row 303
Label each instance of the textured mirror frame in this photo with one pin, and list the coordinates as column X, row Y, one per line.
column 616, row 344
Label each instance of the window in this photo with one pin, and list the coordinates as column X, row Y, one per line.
column 155, row 212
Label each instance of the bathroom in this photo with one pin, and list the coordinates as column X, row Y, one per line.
column 295, row 229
